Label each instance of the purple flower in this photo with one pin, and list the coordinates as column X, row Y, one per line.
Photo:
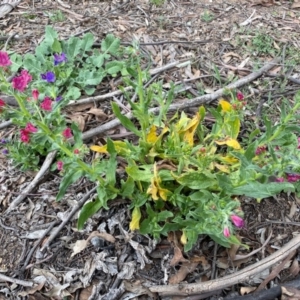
column 58, row 98
column 237, row 221
column 59, row 58
column 3, row 141
column 293, row 177
column 5, row 151
column 260, row 150
column 49, row 76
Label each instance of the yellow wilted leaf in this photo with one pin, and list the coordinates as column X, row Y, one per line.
column 183, row 238
column 231, row 143
column 190, row 128
column 226, row 106
column 135, row 219
column 222, row 168
column 155, row 190
column 102, row 149
column 234, row 144
column 229, row 159
column 120, row 147
column 152, row 136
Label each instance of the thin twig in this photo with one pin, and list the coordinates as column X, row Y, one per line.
column 4, row 278
column 38, row 177
column 77, row 206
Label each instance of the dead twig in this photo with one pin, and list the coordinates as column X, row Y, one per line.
column 39, row 176
column 4, row 278
column 68, row 218
column 227, row 281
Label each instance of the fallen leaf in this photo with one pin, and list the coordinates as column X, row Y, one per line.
column 184, row 270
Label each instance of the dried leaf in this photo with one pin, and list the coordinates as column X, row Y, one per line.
column 184, row 270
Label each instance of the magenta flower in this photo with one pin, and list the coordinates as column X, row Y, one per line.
column 226, row 232
column 240, row 96
column 24, row 135
column 76, row 151
column 60, row 165
column 30, row 128
column 59, row 58
column 46, row 104
column 2, row 103
column 49, row 77
column 35, row 94
column 67, row 133
column 20, row 82
column 298, row 143
column 260, row 150
column 237, row 221
column 293, row 177
column 279, row 179
column 4, row 59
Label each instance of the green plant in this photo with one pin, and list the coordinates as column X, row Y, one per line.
column 181, row 174
column 207, row 16
column 61, row 71
column 57, row 16
column 157, row 2
column 262, row 43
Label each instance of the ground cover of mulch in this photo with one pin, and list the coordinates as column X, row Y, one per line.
column 44, row 256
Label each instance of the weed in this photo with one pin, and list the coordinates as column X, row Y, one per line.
column 207, row 16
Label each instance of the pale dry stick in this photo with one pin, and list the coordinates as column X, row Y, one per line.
column 77, row 206
column 4, row 278
column 38, row 242
column 187, row 104
column 227, row 281
column 45, row 167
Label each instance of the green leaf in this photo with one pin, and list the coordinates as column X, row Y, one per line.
column 259, row 190
column 110, row 44
column 69, row 178
column 77, row 134
column 96, row 60
column 87, row 42
column 32, row 64
column 73, row 47
column 50, row 35
column 127, row 188
column 196, row 180
column 88, row 210
column 113, row 67
column 164, row 215
column 89, row 77
column 124, row 120
column 56, row 47
column 73, row 93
